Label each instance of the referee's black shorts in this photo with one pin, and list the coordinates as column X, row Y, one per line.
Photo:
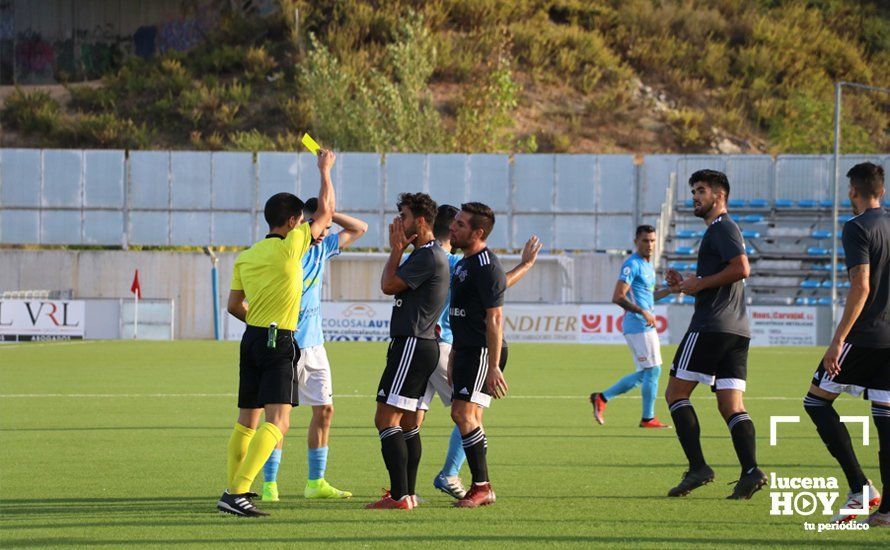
column 267, row 375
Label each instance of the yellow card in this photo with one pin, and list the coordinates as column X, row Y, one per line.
column 311, row 144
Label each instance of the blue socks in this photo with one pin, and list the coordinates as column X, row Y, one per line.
column 270, row 468
column 318, row 461
column 624, row 385
column 650, row 390
column 456, row 455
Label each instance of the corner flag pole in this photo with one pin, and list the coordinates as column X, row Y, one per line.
column 136, row 289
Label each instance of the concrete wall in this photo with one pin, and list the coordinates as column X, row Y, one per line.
column 185, row 278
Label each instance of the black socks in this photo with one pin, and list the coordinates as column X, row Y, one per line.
column 836, row 437
column 395, row 456
column 688, row 432
column 412, row 444
column 475, row 446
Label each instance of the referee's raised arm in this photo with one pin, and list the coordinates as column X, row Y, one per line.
column 326, row 203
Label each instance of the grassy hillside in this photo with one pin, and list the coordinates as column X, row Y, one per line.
column 494, row 75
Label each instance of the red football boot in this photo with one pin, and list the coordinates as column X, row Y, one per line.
column 599, row 407
column 653, row 423
column 478, row 495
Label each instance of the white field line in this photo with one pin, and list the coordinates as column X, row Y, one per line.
column 20, row 345
column 343, row 396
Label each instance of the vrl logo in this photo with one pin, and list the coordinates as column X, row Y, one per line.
column 47, row 309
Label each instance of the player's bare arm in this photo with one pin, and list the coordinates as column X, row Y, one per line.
column 619, row 298
column 353, row 229
column 528, row 259
column 236, row 305
column 390, row 283
column 737, row 270
column 663, row 292
column 856, row 298
column 494, row 337
column 326, row 203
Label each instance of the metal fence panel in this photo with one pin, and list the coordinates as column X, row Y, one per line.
column 276, row 173
column 576, row 232
column 60, row 227
column 576, row 177
column 103, row 179
column 103, row 227
column 358, row 183
column 803, row 177
column 62, row 170
column 614, row 232
column 405, row 173
column 149, row 228
column 20, row 226
column 527, row 225
column 233, row 181
column 190, row 228
column 750, row 177
column 489, row 183
column 656, row 172
column 533, row 183
column 149, row 179
column 689, row 164
column 616, row 183
column 232, row 229
column 447, row 178
column 20, row 177
column 190, row 184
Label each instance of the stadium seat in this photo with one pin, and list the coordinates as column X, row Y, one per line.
column 758, row 203
column 816, row 251
column 688, row 203
column 685, row 250
column 751, row 218
column 808, row 203
column 748, row 234
column 809, row 284
column 826, row 203
column 784, row 203
column 688, row 234
column 821, row 234
column 824, row 301
column 826, row 284
column 844, row 218
column 736, row 203
column 803, row 301
column 846, row 203
column 749, row 250
column 688, row 300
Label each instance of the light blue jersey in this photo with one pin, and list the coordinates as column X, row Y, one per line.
column 444, row 323
column 309, row 332
column 640, row 275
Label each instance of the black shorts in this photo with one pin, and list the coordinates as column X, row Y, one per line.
column 267, row 375
column 410, row 362
column 468, row 374
column 718, row 359
column 864, row 371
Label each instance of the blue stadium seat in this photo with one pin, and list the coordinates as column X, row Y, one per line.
column 816, row 251
column 846, row 203
column 749, row 250
column 758, row 203
column 826, row 284
column 808, row 284
column 679, row 266
column 685, row 250
column 804, row 301
column 821, row 267
column 736, row 203
column 784, row 203
column 688, row 300
column 844, row 218
column 748, row 234
column 843, row 284
column 824, row 301
column 826, row 203
column 751, row 218
column 821, row 234
column 688, row 234
column 808, row 203
column 688, row 203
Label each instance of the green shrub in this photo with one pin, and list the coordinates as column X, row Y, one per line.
column 32, row 113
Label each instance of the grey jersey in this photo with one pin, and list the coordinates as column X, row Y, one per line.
column 867, row 241
column 416, row 310
column 720, row 309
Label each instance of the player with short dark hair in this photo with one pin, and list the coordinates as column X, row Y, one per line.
column 635, row 293
column 268, row 276
column 477, row 358
column 313, row 368
column 448, row 479
column 858, row 359
column 420, row 287
column 714, row 350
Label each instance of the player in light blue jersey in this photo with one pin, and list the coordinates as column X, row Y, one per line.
column 313, row 368
column 635, row 292
column 448, row 479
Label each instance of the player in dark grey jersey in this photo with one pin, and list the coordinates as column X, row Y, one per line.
column 714, row 350
column 478, row 356
column 858, row 359
column 420, row 287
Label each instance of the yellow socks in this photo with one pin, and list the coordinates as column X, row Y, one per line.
column 261, row 446
column 238, row 443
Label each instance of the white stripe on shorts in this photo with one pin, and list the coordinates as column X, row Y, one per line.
column 687, row 351
column 402, row 372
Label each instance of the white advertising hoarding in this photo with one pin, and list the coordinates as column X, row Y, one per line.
column 782, row 325
column 31, row 320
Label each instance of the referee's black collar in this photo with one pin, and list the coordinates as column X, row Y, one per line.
column 274, row 236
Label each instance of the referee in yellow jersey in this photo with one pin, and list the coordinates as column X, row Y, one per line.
column 266, row 288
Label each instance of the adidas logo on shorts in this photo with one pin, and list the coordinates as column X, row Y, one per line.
column 381, row 393
column 463, row 391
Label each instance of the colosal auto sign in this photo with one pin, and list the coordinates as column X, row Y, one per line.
column 28, row 320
